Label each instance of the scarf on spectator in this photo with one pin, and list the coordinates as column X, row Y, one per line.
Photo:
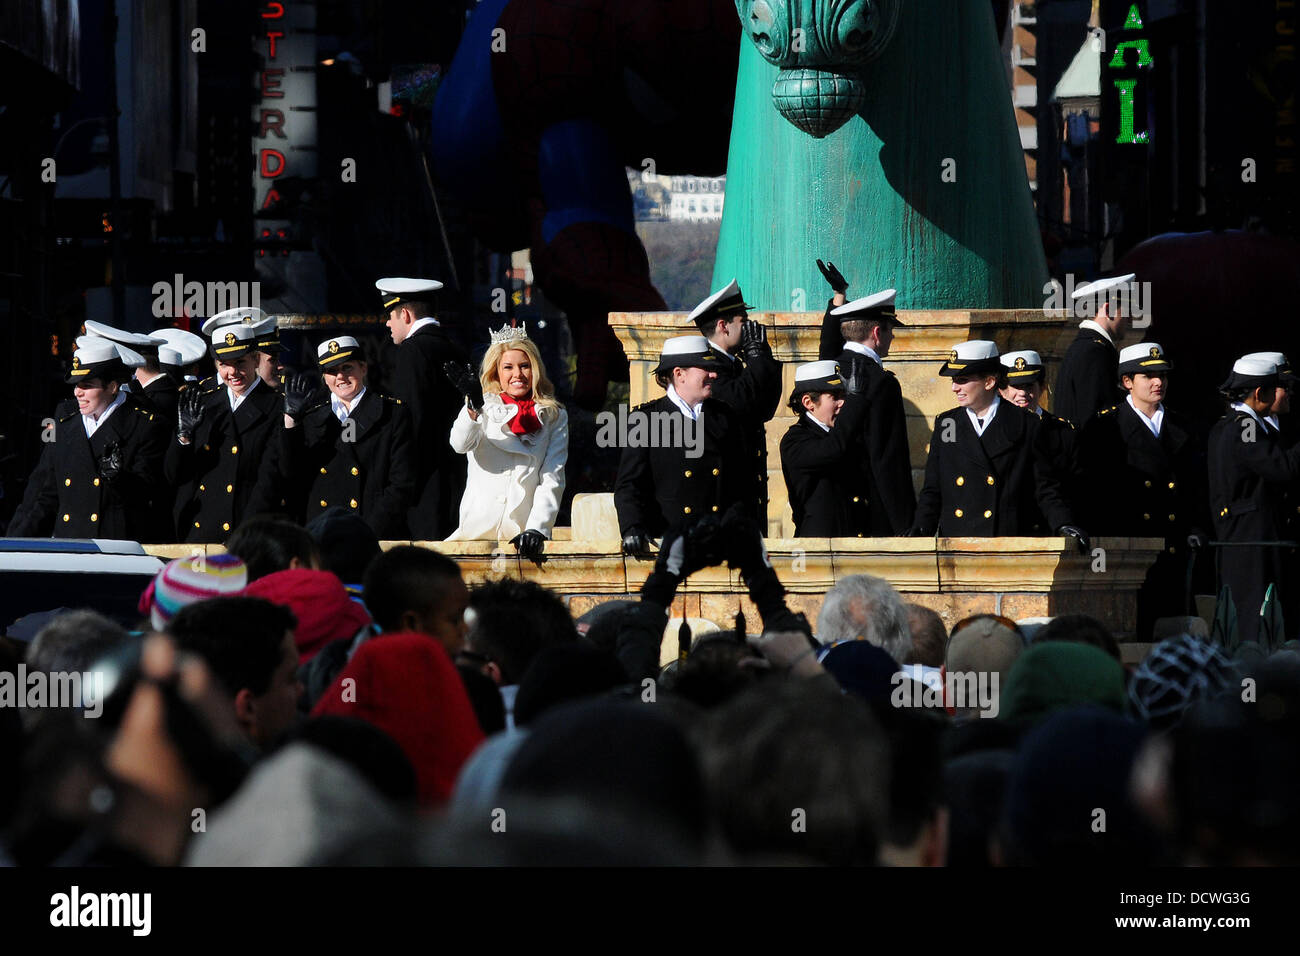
column 526, row 422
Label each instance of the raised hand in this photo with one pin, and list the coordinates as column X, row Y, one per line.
column 461, row 375
column 833, row 276
column 189, row 413
column 299, row 395
column 753, row 339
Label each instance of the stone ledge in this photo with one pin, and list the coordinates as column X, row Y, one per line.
column 1023, row 577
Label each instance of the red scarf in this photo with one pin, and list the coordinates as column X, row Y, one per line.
column 526, row 422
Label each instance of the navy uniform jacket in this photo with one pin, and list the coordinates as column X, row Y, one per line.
column 884, row 427
column 827, row 475
column 884, row 437
column 1134, row 484
column 69, row 498
column 230, row 469
column 162, row 395
column 371, row 474
column 1088, row 379
column 1142, row 486
column 432, row 403
column 753, row 390
column 990, row 486
column 662, row 488
column 1250, row 470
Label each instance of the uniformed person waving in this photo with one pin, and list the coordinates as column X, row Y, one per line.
column 826, row 471
column 985, row 474
column 749, row 377
column 101, row 469
column 225, row 459
column 1086, row 381
column 266, row 342
column 867, row 326
column 353, row 450
column 1250, row 471
column 1142, row 474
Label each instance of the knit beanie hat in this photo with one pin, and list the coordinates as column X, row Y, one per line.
column 188, row 581
column 324, row 611
column 1177, row 673
column 1059, row 674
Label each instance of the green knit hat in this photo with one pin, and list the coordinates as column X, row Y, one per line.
column 1059, row 674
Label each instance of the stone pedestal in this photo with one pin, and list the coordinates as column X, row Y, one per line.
column 919, row 348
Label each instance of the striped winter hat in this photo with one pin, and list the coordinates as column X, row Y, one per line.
column 188, row 580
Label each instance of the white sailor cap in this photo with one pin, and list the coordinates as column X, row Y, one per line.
column 136, row 340
column 1145, row 357
column 98, row 357
column 723, row 304
column 686, row 351
column 823, row 376
column 342, row 348
column 1023, row 366
column 1255, row 370
column 244, row 315
column 1101, row 286
column 268, row 335
column 1280, row 360
column 976, row 357
column 232, row 341
column 878, row 306
column 182, row 348
column 396, row 290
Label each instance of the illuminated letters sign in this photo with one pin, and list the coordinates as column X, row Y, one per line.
column 1130, row 54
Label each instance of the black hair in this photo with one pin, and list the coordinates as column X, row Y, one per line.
column 240, row 638
column 1080, row 629
column 367, row 749
column 513, row 620
column 405, row 578
column 346, row 544
column 796, row 400
column 267, row 543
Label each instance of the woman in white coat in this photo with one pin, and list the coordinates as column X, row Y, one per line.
column 517, row 438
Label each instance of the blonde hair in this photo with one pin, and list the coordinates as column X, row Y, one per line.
column 543, row 390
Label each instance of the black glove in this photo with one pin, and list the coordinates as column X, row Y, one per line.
column 461, row 375
column 636, row 543
column 701, row 545
column 912, row 532
column 110, row 463
column 855, row 375
column 529, row 544
column 753, row 339
column 1196, row 540
column 299, row 395
column 189, row 413
column 836, row 279
column 1078, row 534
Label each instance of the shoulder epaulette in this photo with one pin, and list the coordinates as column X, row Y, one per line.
column 390, row 398
column 1106, row 411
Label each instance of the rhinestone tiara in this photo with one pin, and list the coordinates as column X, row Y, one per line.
column 509, row 333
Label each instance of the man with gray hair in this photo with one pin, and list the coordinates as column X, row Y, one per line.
column 863, row 607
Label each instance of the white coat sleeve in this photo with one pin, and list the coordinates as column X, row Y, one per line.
column 550, row 484
column 467, row 433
